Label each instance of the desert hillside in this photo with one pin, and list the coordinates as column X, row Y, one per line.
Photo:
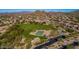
column 29, row 29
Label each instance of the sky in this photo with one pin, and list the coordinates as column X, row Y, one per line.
column 31, row 10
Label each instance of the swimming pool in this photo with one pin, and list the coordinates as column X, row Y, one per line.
column 39, row 33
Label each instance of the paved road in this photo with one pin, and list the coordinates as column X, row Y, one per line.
column 49, row 42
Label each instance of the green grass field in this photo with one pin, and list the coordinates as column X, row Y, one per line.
column 27, row 28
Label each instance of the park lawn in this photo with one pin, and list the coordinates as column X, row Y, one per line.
column 33, row 27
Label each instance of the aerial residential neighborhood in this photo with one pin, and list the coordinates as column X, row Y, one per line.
column 39, row 29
